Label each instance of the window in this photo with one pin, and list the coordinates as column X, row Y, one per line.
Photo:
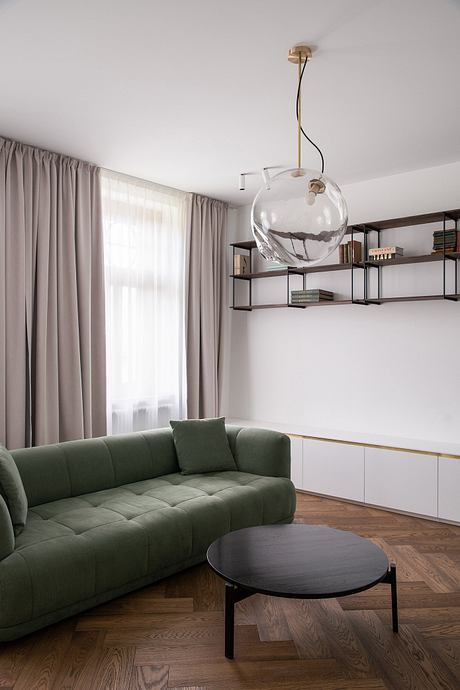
column 145, row 239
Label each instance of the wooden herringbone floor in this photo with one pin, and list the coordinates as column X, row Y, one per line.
column 170, row 635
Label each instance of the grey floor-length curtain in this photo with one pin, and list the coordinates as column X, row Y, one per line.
column 52, row 325
column 207, row 305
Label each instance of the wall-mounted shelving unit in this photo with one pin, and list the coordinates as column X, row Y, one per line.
column 445, row 218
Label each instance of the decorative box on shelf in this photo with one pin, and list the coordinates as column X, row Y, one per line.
column 385, row 253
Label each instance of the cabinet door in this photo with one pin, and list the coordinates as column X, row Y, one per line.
column 334, row 469
column 449, row 489
column 296, row 462
column 403, row 481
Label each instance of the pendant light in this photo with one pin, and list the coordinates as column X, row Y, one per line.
column 299, row 216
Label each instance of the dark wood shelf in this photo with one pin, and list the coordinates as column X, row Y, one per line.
column 283, row 272
column 269, row 306
column 322, row 303
column 425, row 258
column 407, row 221
column 416, row 298
column 352, row 229
column 423, row 219
column 327, row 268
column 263, row 274
column 337, row 302
column 244, row 244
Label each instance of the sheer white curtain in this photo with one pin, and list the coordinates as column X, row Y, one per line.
column 145, row 242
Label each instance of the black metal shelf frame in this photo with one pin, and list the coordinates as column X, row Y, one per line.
column 365, row 266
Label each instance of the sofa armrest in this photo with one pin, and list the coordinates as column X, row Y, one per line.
column 261, row 451
column 7, row 540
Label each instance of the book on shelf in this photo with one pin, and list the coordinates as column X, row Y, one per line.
column 315, row 295
column 448, row 240
column 307, row 297
column 309, row 300
column 350, row 251
column 383, row 253
column 312, row 291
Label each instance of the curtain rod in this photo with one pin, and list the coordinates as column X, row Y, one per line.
column 109, row 170
column 45, row 150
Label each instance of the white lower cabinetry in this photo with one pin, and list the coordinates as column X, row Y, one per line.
column 449, row 489
column 412, row 482
column 335, row 469
column 401, row 480
column 296, row 462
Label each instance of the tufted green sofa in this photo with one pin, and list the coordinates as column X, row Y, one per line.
column 112, row 514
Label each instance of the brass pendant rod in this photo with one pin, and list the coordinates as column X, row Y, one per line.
column 299, row 119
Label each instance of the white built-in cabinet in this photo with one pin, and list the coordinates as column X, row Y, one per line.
column 412, row 482
column 335, row 469
column 296, row 461
column 401, row 480
column 449, row 489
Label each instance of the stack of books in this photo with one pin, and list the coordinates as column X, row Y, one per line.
column 307, row 296
column 452, row 241
column 350, row 252
column 384, row 253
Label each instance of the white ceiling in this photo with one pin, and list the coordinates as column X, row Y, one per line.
column 189, row 93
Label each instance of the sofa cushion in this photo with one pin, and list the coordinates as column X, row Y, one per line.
column 202, row 445
column 12, row 490
column 6, row 531
column 54, row 472
column 81, row 547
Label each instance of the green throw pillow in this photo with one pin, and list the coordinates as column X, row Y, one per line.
column 202, row 446
column 12, row 490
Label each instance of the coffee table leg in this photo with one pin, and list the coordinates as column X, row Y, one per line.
column 391, row 580
column 229, row 620
column 394, row 597
column 232, row 596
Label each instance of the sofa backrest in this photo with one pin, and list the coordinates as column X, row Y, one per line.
column 52, row 472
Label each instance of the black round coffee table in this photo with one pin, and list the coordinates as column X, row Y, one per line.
column 297, row 561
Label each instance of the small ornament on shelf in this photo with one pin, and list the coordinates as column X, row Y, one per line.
column 240, row 265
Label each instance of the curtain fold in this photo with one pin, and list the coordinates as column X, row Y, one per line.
column 52, row 314
column 145, row 241
column 207, row 305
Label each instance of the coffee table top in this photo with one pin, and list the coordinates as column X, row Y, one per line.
column 300, row 561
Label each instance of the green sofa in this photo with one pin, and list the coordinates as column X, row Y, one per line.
column 109, row 515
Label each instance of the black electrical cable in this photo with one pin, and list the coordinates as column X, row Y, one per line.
column 297, row 116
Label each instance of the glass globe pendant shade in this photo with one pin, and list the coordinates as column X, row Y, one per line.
column 300, row 219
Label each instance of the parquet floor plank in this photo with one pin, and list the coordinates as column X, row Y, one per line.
column 170, row 636
column 84, row 647
column 449, row 651
column 346, row 648
column 152, row 677
column 46, row 657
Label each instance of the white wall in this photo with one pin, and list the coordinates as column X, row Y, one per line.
column 392, row 369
